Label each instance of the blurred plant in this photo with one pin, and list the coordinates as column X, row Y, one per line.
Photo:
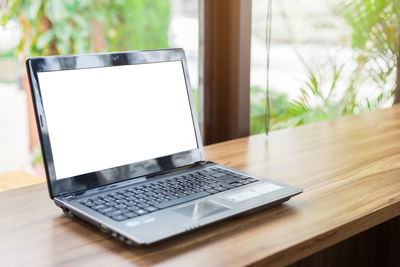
column 195, row 94
column 138, row 24
column 375, row 33
column 315, row 105
column 51, row 27
column 312, row 104
column 73, row 26
column 279, row 112
column 7, row 54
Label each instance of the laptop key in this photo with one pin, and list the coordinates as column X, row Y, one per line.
column 99, row 201
column 141, row 212
column 143, row 205
column 153, row 202
column 89, row 204
column 220, row 189
column 131, row 198
column 115, row 213
column 120, row 217
column 133, row 209
column 106, row 210
column 150, row 208
column 111, row 203
column 98, row 207
column 181, row 195
column 216, row 175
column 212, row 191
column 121, row 206
column 131, row 203
column 108, row 199
column 130, row 214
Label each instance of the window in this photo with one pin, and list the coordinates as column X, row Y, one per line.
column 328, row 59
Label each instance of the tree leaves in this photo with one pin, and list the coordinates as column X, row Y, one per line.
column 31, row 8
column 67, row 26
column 4, row 18
column 44, row 39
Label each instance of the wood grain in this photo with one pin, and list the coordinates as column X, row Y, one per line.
column 348, row 168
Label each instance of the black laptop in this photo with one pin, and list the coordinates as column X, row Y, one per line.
column 122, row 148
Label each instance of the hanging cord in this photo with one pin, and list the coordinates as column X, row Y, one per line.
column 268, row 50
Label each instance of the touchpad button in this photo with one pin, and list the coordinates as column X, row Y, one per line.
column 201, row 209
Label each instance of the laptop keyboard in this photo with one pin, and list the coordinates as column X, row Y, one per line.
column 142, row 199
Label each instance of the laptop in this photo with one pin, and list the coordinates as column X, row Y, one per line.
column 122, row 148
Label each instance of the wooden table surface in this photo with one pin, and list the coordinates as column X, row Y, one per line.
column 349, row 169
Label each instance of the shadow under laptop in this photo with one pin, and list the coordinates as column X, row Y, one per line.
column 238, row 226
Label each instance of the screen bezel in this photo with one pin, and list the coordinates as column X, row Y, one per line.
column 140, row 169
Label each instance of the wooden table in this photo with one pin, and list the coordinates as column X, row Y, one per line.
column 349, row 169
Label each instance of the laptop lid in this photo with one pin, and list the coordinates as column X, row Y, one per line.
column 109, row 117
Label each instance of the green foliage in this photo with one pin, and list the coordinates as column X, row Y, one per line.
column 52, row 26
column 314, row 105
column 37, row 156
column 143, row 24
column 279, row 110
column 70, row 26
column 375, row 29
column 374, row 24
column 6, row 54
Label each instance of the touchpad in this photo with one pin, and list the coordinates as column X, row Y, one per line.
column 201, row 209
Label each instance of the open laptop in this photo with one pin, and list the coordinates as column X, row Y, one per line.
column 122, row 148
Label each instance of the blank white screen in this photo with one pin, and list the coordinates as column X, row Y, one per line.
column 101, row 118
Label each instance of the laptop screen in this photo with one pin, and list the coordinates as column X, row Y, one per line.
column 105, row 117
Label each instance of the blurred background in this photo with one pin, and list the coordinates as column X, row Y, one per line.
column 328, row 58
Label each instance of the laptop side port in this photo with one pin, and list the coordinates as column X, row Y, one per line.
column 67, row 212
column 120, row 237
column 104, row 228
